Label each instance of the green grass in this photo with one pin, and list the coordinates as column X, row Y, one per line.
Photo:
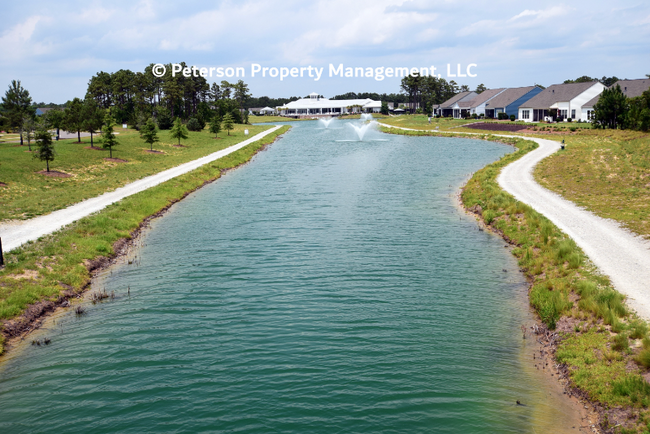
column 599, row 350
column 605, row 171
column 28, row 193
column 37, row 270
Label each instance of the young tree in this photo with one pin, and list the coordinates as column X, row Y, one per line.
column 44, row 146
column 93, row 118
column 73, row 117
column 384, row 108
column 612, row 108
column 149, row 133
column 54, row 119
column 29, row 125
column 215, row 126
column 179, row 131
column 108, row 136
column 16, row 106
column 228, row 123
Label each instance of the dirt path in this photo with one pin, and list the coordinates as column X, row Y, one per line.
column 618, row 253
column 16, row 233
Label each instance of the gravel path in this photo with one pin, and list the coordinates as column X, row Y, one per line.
column 17, row 233
column 619, row 254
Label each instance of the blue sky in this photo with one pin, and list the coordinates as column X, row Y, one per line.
column 55, row 47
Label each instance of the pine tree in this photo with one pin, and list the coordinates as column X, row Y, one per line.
column 93, row 118
column 73, row 117
column 228, row 123
column 149, row 133
column 612, row 108
column 16, row 106
column 108, row 136
column 44, row 146
column 179, row 131
column 215, row 126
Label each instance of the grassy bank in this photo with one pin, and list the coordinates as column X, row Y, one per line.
column 28, row 193
column 607, row 172
column 602, row 348
column 61, row 263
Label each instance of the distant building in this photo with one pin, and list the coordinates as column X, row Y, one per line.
column 317, row 105
column 630, row 88
column 41, row 111
column 568, row 99
column 446, row 109
column 509, row 100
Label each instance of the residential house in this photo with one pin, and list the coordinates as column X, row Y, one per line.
column 509, row 100
column 630, row 88
column 568, row 99
column 446, row 109
column 475, row 105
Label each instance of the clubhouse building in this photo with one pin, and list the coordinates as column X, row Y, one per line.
column 316, row 105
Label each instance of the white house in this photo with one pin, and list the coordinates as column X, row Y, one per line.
column 474, row 105
column 317, row 105
column 630, row 88
column 568, row 99
column 447, row 109
column 267, row 111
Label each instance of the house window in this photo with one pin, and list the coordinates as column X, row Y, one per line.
column 573, row 113
column 563, row 114
column 525, row 114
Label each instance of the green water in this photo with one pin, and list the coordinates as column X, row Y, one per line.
column 326, row 287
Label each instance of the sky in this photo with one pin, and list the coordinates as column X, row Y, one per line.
column 54, row 48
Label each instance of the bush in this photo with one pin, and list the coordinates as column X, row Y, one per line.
column 502, row 116
column 512, row 118
column 194, row 125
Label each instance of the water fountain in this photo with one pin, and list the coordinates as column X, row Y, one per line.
column 326, row 122
column 361, row 130
column 366, row 116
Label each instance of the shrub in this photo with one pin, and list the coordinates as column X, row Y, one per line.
column 502, row 116
column 512, row 118
column 194, row 125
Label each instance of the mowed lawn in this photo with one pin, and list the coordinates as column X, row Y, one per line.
column 25, row 193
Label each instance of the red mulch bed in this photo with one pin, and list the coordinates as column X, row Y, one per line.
column 54, row 174
column 116, row 160
column 179, row 146
column 94, row 148
column 154, row 152
column 494, row 126
column 2, row 184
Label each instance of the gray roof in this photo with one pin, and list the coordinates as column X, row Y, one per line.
column 556, row 93
column 630, row 88
column 481, row 98
column 509, row 96
column 454, row 99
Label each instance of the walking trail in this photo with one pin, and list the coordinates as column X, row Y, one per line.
column 619, row 254
column 15, row 234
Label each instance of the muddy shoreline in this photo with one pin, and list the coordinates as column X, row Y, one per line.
column 18, row 329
